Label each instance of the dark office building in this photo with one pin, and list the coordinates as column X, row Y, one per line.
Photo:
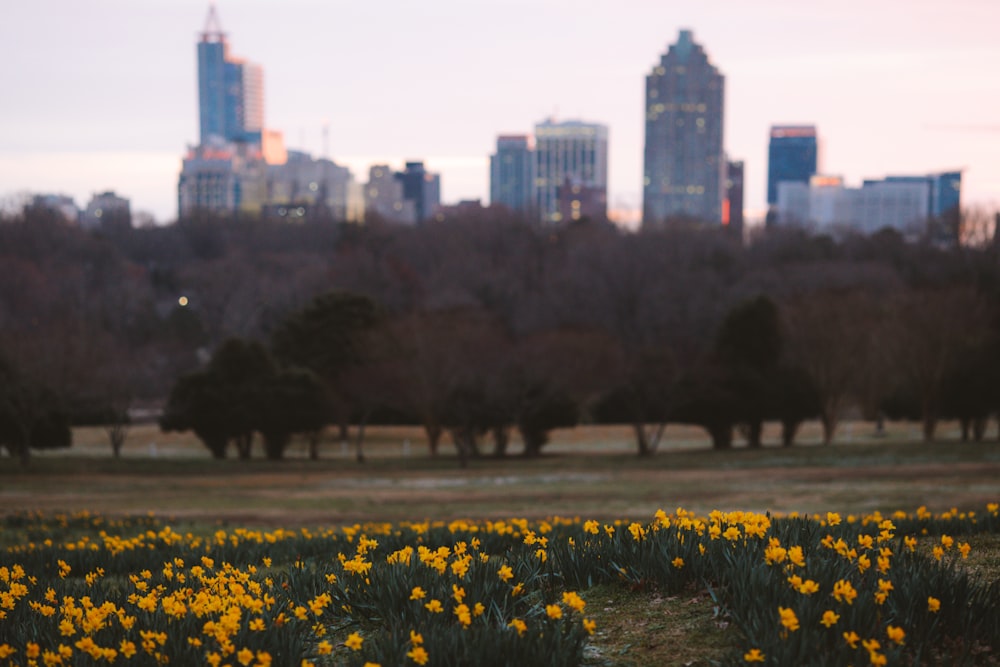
column 792, row 156
column 512, row 173
column 732, row 207
column 685, row 166
column 421, row 187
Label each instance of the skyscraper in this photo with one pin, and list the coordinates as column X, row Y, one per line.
column 792, row 157
column 732, row 207
column 512, row 173
column 421, row 187
column 685, row 165
column 230, row 90
column 570, row 154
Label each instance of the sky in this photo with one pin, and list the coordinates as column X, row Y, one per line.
column 101, row 95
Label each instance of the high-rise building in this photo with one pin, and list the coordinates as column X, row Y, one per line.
column 221, row 178
column 573, row 152
column 685, row 165
column 512, row 173
column 421, row 187
column 732, row 206
column 384, row 196
column 792, row 157
column 305, row 188
column 230, row 90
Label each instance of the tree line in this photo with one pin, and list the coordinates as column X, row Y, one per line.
column 485, row 325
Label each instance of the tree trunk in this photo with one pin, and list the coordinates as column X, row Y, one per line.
column 930, row 426
column 217, row 447
column 243, row 446
column 722, row 435
column 24, row 454
column 755, row 430
column 829, row 422
column 965, row 424
column 501, row 438
column 458, row 436
column 274, row 446
column 433, row 431
column 314, row 445
column 359, row 442
column 788, row 430
column 116, row 436
column 641, row 440
column 979, row 428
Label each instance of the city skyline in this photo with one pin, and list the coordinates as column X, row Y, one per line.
column 105, row 98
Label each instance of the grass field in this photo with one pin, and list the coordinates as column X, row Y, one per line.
column 589, row 472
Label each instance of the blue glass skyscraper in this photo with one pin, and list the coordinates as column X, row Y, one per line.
column 512, row 173
column 230, row 90
column 792, row 156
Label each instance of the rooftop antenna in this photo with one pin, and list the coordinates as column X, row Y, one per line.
column 213, row 27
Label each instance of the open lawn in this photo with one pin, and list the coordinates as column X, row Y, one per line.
column 589, row 472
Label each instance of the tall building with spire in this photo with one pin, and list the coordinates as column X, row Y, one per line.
column 684, row 161
column 230, row 90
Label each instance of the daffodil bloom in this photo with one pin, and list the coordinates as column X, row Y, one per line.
column 464, row 615
column 589, row 626
column 852, row 638
column 829, row 618
column 416, row 638
column 753, row 655
column 933, row 605
column 553, row 611
column 418, row 655
column 844, row 592
column 871, row 644
column 505, row 573
column 573, row 601
column 895, row 634
column 796, row 556
column 354, row 641
column 518, row 625
column 434, row 606
column 788, row 619
column 417, row 593
column 808, row 587
column 864, row 562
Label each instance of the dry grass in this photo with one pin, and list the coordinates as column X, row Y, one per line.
column 588, row 471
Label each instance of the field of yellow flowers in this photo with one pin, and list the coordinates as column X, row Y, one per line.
column 825, row 589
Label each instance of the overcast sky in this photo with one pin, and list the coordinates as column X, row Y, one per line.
column 102, row 94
